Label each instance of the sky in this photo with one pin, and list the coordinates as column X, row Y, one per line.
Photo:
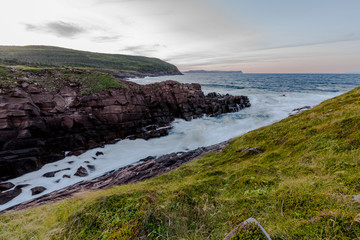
column 255, row 36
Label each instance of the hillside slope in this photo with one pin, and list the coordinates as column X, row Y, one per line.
column 56, row 56
column 299, row 184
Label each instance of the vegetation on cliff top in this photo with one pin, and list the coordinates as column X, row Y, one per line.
column 54, row 79
column 299, row 186
column 47, row 56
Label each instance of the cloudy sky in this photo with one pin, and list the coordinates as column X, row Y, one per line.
column 249, row 35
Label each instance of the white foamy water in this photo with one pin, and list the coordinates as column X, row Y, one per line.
column 267, row 107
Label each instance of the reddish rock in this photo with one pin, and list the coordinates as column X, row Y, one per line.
column 6, row 186
column 9, row 195
column 76, row 153
column 81, row 172
column 37, row 190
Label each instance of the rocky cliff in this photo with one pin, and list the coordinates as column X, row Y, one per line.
column 45, row 113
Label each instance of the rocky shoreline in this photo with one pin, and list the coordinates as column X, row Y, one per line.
column 145, row 169
column 38, row 126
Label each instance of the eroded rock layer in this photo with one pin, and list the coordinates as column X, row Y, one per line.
column 37, row 126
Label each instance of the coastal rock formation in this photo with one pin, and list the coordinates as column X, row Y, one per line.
column 37, row 125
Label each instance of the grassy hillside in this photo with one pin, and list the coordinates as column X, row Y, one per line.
column 299, row 187
column 54, row 79
column 55, row 56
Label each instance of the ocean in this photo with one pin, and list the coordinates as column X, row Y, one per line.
column 272, row 98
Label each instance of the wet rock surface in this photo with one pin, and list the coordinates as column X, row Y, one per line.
column 52, row 174
column 147, row 168
column 99, row 153
column 9, row 195
column 37, row 126
column 37, row 190
column 22, row 185
column 6, row 186
column 81, row 172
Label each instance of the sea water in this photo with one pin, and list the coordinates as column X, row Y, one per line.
column 272, row 98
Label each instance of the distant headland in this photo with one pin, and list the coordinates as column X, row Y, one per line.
column 204, row 71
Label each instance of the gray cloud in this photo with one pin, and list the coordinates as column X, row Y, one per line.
column 59, row 28
column 348, row 38
column 142, row 49
column 102, row 39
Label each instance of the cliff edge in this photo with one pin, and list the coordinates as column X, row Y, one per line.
column 45, row 112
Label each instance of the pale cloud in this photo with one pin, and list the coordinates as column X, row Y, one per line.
column 58, row 28
column 342, row 39
column 102, row 39
column 142, row 49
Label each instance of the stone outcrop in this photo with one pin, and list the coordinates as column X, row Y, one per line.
column 9, row 195
column 81, row 172
column 37, row 190
column 6, row 186
column 37, row 126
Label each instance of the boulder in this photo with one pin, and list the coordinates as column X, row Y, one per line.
column 37, row 190
column 81, row 172
column 9, row 195
column 6, row 186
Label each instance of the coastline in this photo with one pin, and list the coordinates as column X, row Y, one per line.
column 147, row 168
column 38, row 125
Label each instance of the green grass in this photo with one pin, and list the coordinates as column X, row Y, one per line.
column 54, row 79
column 300, row 187
column 249, row 231
column 47, row 56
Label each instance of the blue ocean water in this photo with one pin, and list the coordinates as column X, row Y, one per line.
column 265, row 83
column 272, row 97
